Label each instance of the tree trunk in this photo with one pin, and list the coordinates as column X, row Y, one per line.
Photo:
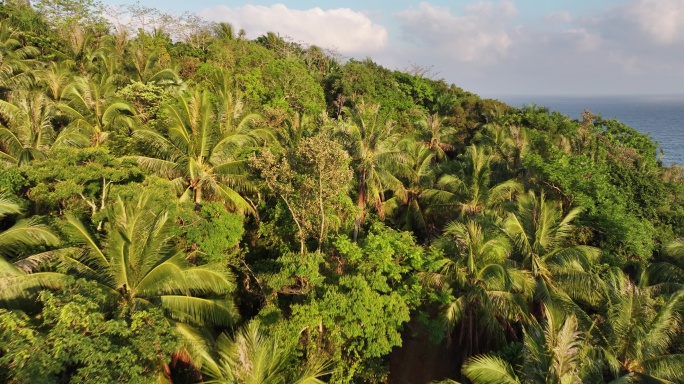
column 322, row 208
column 198, row 195
column 299, row 227
column 361, row 204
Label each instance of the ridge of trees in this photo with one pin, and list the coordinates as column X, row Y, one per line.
column 179, row 203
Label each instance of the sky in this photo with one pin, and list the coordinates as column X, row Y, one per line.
column 492, row 48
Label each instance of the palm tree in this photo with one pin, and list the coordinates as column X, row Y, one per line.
column 469, row 186
column 224, row 31
column 147, row 69
column 137, row 262
column 233, row 116
column 436, row 134
column 407, row 207
column 299, row 126
column 95, row 109
column 15, row 60
column 28, row 133
column 554, row 353
column 20, row 279
column 488, row 294
column 371, row 140
column 55, row 78
column 508, row 141
column 667, row 275
column 251, row 357
column 562, row 271
column 200, row 155
column 640, row 333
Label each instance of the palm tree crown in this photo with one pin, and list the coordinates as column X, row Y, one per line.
column 200, row 155
column 139, row 264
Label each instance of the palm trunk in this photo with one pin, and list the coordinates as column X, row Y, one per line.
column 322, row 208
column 198, row 195
column 361, row 204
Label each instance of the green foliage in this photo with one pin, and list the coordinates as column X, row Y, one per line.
column 12, row 180
column 78, row 179
column 212, row 234
column 315, row 151
column 148, row 98
column 76, row 337
column 366, row 81
column 356, row 318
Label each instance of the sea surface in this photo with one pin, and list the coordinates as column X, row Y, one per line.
column 662, row 117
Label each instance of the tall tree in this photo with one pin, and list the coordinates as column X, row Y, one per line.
column 252, row 357
column 15, row 59
column 554, row 352
column 94, row 108
column 562, row 270
column 469, row 187
column 20, row 277
column 27, row 132
column 487, row 294
column 139, row 265
column 408, row 207
column 312, row 180
column 370, row 140
column 640, row 334
column 437, row 134
column 201, row 159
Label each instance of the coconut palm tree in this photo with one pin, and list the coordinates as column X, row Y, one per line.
column 371, row 141
column 436, row 134
column 21, row 278
column 27, row 132
column 251, row 357
column 202, row 157
column 233, row 116
column 224, row 31
column 146, row 67
column 137, row 262
column 488, row 295
column 469, row 186
column 94, row 108
column 667, row 274
column 562, row 271
column 15, row 60
column 509, row 143
column 55, row 78
column 639, row 334
column 554, row 352
column 407, row 207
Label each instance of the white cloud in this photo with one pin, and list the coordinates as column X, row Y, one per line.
column 662, row 20
column 584, row 41
column 480, row 33
column 558, row 17
column 348, row 31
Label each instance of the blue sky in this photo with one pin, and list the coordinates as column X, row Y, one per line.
column 493, row 48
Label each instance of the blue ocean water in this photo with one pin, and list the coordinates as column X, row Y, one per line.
column 662, row 117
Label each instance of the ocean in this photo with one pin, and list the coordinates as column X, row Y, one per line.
column 662, row 117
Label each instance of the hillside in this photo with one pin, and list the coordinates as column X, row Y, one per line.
column 182, row 204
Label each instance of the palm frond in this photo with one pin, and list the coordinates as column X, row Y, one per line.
column 200, row 310
column 82, row 236
column 26, row 232
column 489, row 370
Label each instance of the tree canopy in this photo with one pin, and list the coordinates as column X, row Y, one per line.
column 179, row 203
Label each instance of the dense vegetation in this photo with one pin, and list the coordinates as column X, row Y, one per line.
column 187, row 205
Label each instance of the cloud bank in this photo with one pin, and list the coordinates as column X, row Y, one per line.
column 348, row 31
column 498, row 46
column 491, row 47
column 477, row 35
